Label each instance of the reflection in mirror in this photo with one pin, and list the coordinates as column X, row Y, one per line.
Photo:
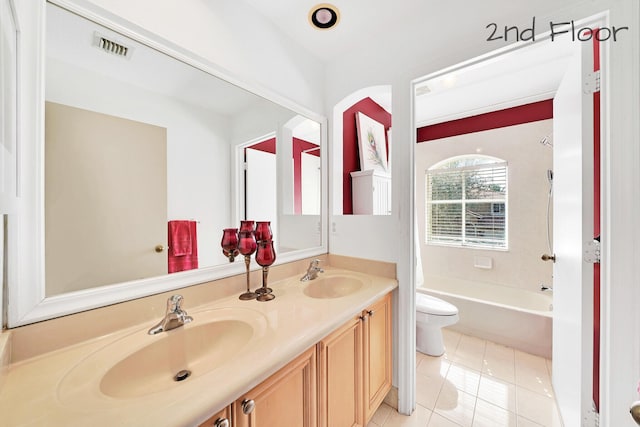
column 305, row 143
column 138, row 150
column 365, row 131
column 299, row 148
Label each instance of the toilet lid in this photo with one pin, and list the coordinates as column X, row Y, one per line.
column 432, row 305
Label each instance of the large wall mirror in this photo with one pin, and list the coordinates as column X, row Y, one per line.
column 138, row 143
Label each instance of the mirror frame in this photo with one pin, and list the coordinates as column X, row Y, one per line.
column 27, row 301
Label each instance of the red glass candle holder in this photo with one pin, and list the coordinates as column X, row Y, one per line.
column 265, row 256
column 263, row 230
column 247, row 245
column 229, row 243
column 247, row 225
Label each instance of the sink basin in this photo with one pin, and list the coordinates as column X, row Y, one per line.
column 140, row 364
column 188, row 351
column 333, row 286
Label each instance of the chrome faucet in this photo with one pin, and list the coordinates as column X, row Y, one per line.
column 312, row 271
column 173, row 318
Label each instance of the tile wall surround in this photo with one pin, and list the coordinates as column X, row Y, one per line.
column 43, row 337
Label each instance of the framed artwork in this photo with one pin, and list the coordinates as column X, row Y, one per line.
column 371, row 144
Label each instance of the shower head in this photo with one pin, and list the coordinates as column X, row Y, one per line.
column 547, row 140
column 550, row 175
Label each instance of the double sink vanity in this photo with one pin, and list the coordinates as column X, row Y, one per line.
column 78, row 351
column 317, row 355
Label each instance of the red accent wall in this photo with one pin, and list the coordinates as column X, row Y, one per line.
column 268, row 146
column 350, row 157
column 299, row 145
column 596, row 229
column 527, row 113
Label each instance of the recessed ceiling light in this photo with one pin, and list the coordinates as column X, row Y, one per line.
column 324, row 16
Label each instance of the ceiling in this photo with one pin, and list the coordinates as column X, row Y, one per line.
column 360, row 22
column 71, row 40
column 525, row 76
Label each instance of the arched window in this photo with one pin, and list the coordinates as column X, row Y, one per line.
column 466, row 202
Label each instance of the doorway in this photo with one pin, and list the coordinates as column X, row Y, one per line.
column 258, row 183
column 530, row 73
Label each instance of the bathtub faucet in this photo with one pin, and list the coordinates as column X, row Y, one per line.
column 545, row 288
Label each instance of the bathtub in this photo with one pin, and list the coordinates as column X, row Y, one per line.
column 514, row 317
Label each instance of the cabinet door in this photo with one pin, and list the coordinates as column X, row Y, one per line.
column 340, row 372
column 220, row 419
column 377, row 355
column 287, row 398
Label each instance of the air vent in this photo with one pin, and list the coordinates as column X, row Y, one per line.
column 422, row 90
column 111, row 46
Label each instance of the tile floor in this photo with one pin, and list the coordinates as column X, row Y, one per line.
column 478, row 383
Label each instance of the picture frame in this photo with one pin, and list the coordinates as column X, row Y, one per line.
column 371, row 144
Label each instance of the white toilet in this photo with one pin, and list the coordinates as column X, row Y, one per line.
column 432, row 314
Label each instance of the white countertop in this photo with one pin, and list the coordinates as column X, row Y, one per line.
column 43, row 391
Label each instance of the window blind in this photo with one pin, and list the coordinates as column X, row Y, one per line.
column 466, row 206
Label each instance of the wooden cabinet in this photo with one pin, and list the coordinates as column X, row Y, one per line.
column 220, row 419
column 355, row 368
column 340, row 382
column 371, row 193
column 377, row 354
column 287, row 398
column 340, row 372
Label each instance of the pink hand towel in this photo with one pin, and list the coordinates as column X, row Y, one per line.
column 183, row 238
column 180, row 237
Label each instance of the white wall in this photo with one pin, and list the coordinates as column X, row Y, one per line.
column 248, row 126
column 198, row 149
column 442, row 36
column 256, row 122
column 527, row 160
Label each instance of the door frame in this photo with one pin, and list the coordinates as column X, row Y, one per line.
column 239, row 179
column 9, row 197
column 602, row 20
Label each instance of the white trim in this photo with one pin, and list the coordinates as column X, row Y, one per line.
column 238, row 168
column 10, row 202
column 405, row 204
column 26, row 261
column 620, row 174
column 28, row 302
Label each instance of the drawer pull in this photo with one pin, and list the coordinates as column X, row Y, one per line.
column 247, row 406
column 221, row 422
